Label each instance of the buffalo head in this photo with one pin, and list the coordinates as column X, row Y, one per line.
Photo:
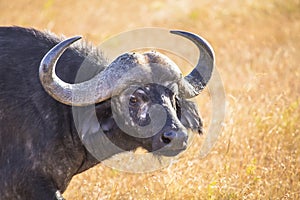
column 141, row 99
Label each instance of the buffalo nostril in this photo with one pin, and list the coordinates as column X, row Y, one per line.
column 168, row 137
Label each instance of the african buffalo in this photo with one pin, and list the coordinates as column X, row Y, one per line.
column 41, row 145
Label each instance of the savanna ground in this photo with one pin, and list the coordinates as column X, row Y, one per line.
column 257, row 46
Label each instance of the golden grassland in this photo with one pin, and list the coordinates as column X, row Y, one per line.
column 257, row 46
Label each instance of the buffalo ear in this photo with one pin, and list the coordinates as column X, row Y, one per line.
column 105, row 116
column 190, row 116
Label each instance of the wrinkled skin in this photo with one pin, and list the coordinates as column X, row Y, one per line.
column 40, row 147
column 171, row 139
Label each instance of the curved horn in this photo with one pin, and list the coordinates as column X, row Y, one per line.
column 78, row 94
column 199, row 77
column 126, row 69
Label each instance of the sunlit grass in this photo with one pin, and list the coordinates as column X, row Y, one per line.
column 257, row 45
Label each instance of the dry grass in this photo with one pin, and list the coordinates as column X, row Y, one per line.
column 257, row 44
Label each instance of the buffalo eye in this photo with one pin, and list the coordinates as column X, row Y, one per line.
column 133, row 100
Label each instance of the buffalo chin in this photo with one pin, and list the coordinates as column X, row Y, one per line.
column 160, row 152
column 168, row 153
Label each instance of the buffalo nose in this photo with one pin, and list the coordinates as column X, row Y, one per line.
column 167, row 137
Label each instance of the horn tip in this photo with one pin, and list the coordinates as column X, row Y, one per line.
column 177, row 32
column 75, row 38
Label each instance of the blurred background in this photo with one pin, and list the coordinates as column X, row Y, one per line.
column 257, row 46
